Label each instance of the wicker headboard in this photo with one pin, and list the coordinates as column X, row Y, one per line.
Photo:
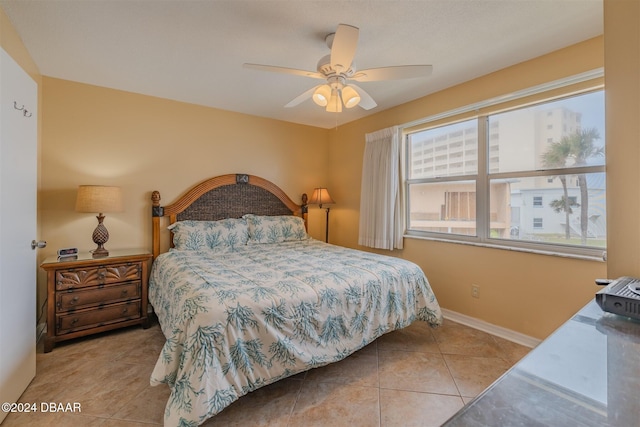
column 225, row 196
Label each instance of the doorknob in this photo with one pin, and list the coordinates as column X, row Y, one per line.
column 39, row 244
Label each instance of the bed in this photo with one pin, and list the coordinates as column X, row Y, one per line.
column 245, row 297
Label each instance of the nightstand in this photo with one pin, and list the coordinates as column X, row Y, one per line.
column 87, row 295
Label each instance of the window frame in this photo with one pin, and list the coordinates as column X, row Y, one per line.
column 583, row 83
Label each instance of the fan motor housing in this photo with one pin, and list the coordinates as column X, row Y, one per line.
column 324, row 68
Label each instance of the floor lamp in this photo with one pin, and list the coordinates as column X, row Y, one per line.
column 321, row 197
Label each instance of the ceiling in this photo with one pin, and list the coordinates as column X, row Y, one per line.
column 193, row 50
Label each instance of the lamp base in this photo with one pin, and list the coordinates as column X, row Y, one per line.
column 100, row 252
column 100, row 237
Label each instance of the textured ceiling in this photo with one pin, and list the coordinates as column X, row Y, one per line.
column 193, row 51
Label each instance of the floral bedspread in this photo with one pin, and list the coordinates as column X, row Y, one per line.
column 239, row 319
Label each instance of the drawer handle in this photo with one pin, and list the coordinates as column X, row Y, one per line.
column 74, row 300
column 125, row 292
column 125, row 310
column 74, row 321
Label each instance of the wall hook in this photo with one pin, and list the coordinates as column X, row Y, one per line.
column 25, row 112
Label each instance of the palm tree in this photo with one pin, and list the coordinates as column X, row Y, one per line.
column 583, row 148
column 577, row 147
column 556, row 157
column 560, row 205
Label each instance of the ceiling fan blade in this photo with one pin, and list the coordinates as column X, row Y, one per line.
column 285, row 70
column 366, row 101
column 343, row 47
column 303, row 97
column 392, row 73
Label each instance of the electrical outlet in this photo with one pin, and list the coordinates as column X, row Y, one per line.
column 475, row 291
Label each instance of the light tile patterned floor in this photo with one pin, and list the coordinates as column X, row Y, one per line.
column 417, row 376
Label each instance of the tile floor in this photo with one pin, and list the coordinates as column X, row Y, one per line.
column 417, row 376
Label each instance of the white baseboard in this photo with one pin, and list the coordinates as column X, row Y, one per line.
column 492, row 329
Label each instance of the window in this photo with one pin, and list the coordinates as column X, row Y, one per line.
column 484, row 178
column 447, row 206
column 537, row 201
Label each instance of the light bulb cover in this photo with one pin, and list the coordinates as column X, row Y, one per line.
column 350, row 97
column 321, row 95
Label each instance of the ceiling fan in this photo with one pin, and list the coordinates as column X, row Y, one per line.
column 339, row 70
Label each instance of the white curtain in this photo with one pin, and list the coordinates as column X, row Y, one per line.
column 380, row 209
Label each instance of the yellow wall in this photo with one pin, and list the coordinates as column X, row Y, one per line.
column 95, row 135
column 531, row 294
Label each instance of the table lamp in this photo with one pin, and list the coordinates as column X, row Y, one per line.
column 99, row 199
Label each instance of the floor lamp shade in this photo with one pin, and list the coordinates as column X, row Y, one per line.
column 99, row 199
column 321, row 197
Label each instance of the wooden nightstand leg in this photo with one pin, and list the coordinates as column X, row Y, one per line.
column 48, row 344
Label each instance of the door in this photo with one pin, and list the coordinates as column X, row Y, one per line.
column 18, row 192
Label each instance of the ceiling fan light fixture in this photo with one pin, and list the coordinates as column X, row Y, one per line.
column 350, row 97
column 338, row 70
column 322, row 95
column 335, row 103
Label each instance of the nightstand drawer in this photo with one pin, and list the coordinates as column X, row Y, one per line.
column 93, row 276
column 84, row 319
column 74, row 300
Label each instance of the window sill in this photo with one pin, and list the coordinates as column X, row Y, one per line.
column 511, row 248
